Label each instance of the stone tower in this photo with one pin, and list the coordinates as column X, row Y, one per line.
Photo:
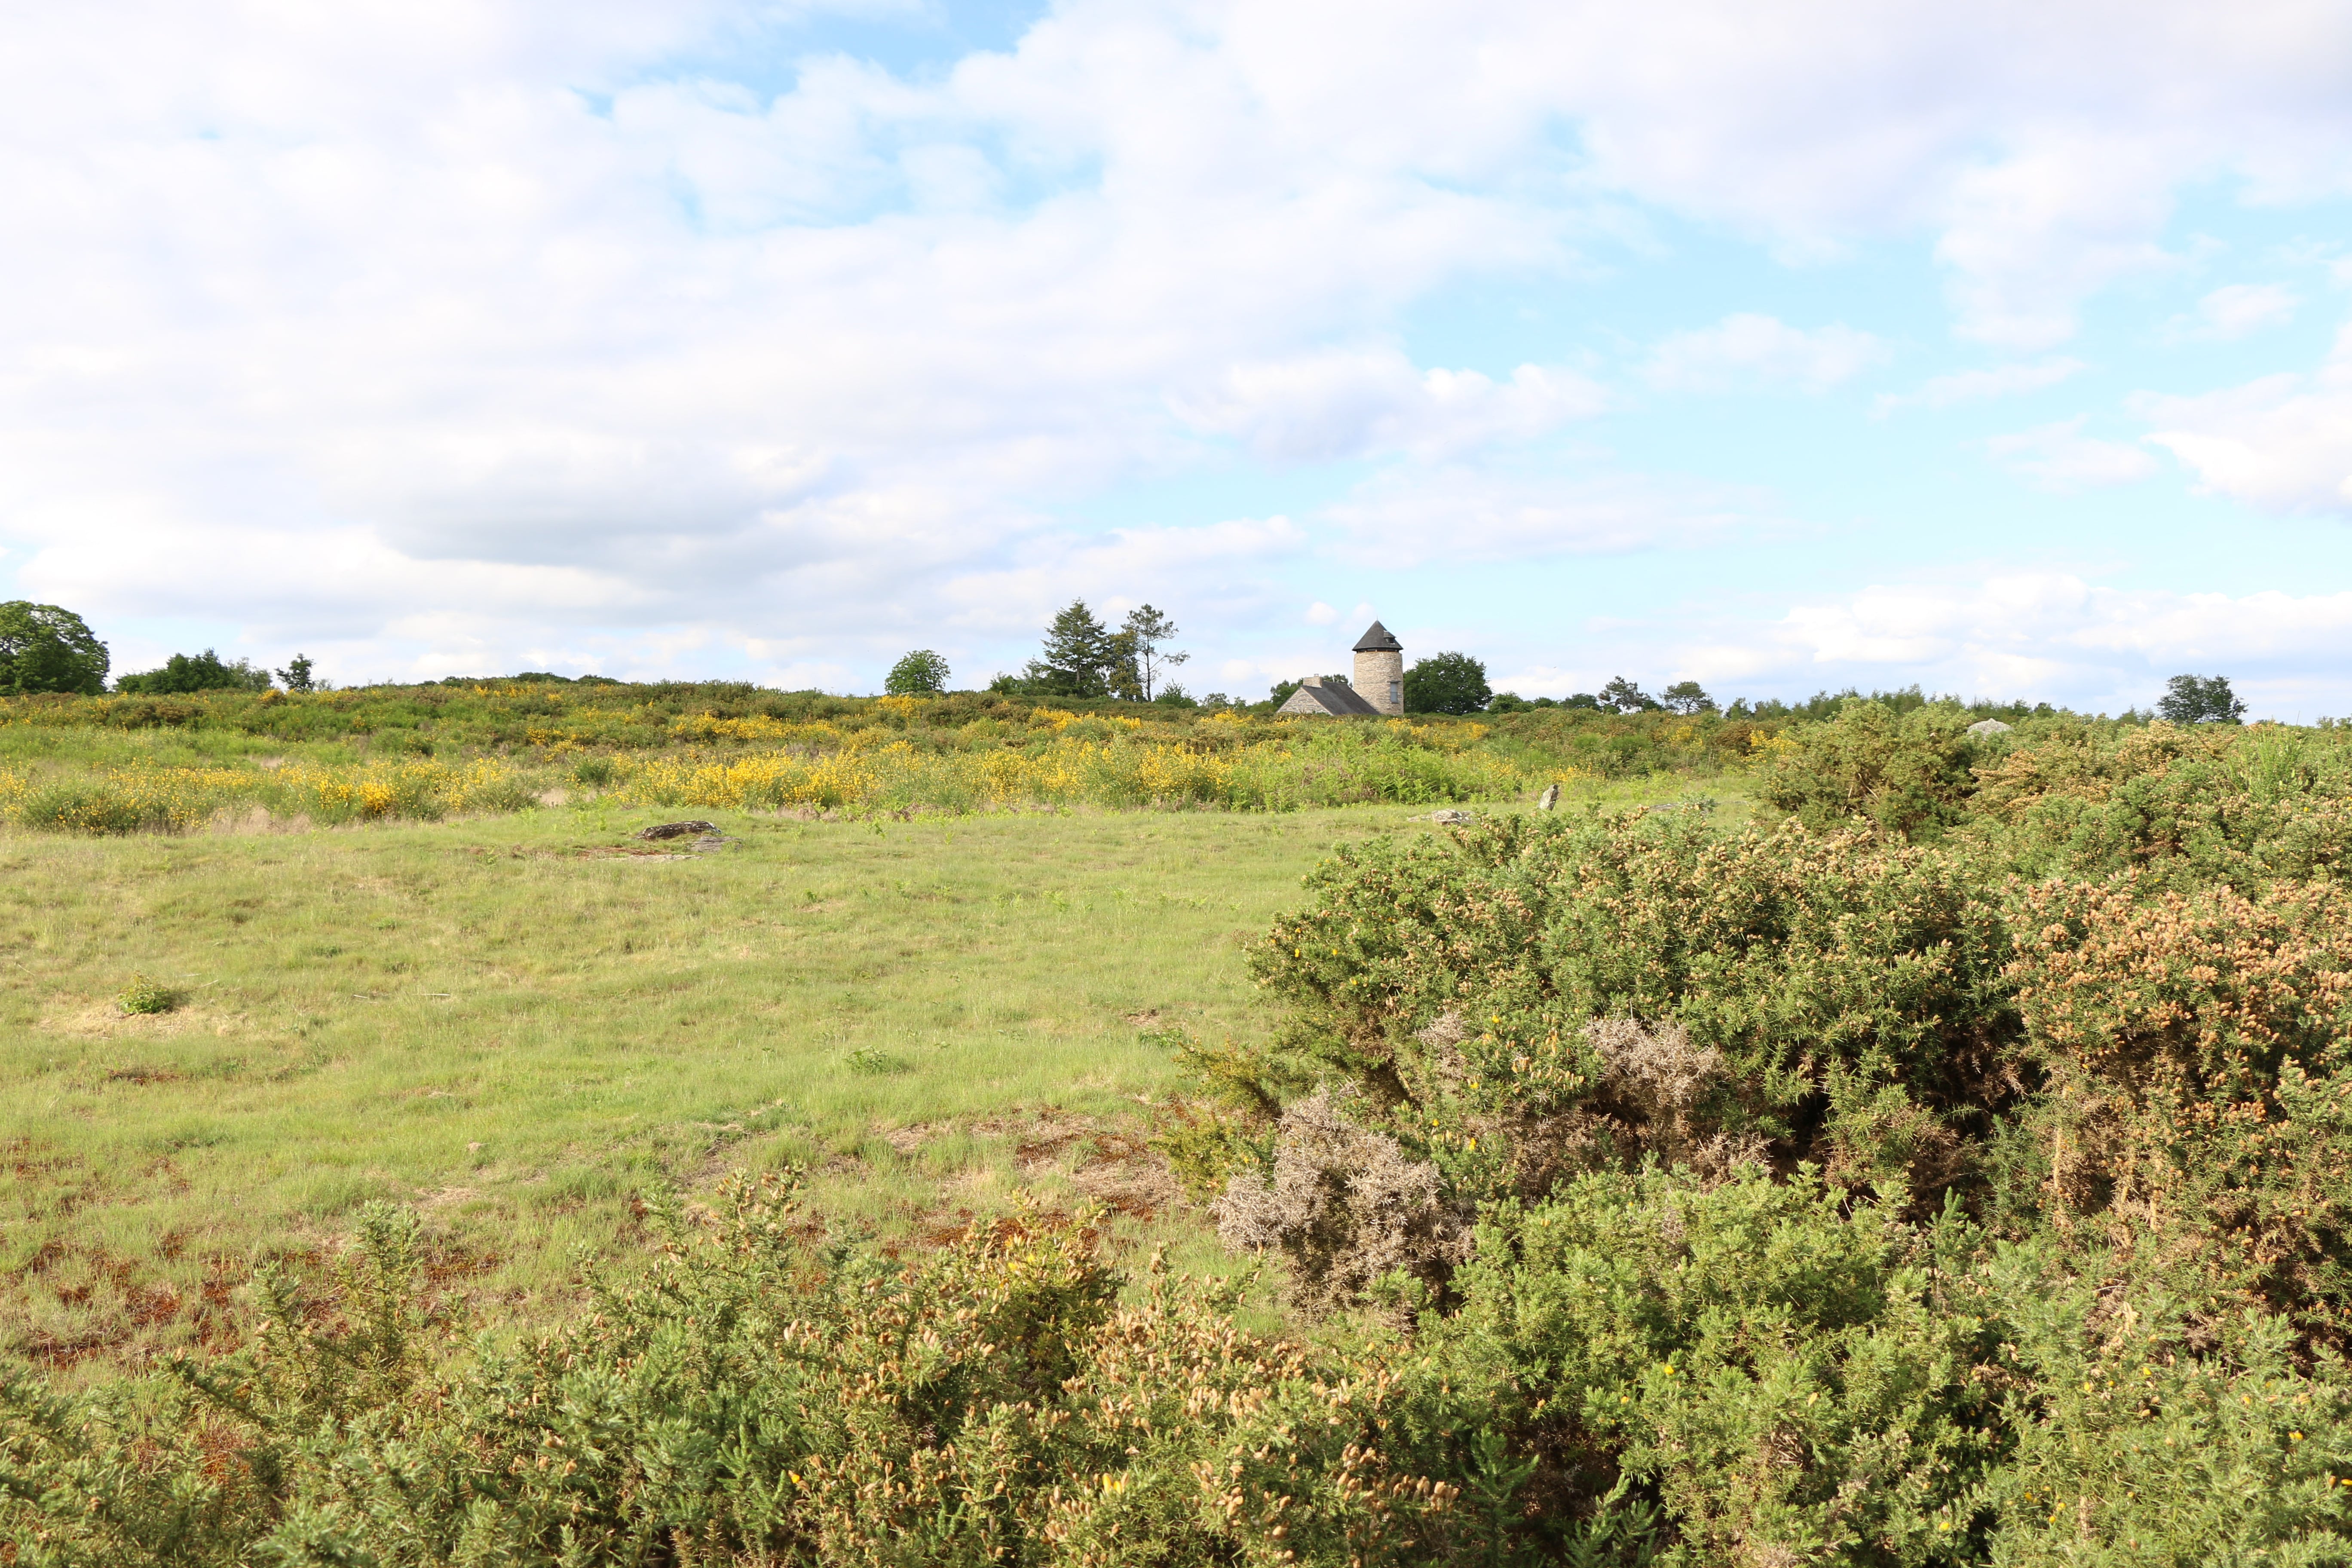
column 1380, row 669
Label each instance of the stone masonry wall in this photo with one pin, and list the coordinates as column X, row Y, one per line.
column 1380, row 680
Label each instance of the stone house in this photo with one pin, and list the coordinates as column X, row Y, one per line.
column 1379, row 682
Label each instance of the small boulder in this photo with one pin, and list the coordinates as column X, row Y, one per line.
column 1988, row 726
column 661, row 830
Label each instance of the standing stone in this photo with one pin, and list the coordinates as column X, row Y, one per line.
column 1549, row 799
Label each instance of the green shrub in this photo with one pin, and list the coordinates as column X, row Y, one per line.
column 1908, row 773
column 145, row 995
column 1842, row 997
column 1788, row 1373
column 204, row 671
column 996, row 1401
column 2182, row 807
column 92, row 806
column 921, row 673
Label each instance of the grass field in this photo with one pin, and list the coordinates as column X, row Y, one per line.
column 520, row 1022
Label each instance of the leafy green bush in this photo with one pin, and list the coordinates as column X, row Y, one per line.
column 143, row 995
column 920, row 673
column 205, row 671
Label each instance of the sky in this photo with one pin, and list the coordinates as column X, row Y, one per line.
column 1783, row 345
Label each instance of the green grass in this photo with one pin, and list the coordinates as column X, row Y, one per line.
column 517, row 1026
column 519, row 1023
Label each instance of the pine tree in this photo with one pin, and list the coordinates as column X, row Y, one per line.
column 1079, row 657
column 1145, row 629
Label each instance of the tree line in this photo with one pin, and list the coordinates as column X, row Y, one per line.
column 48, row 648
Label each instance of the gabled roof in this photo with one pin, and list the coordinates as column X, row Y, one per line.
column 1340, row 701
column 1378, row 639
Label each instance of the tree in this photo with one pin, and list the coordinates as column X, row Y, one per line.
column 921, row 673
column 1622, row 696
column 1686, row 697
column 297, row 675
column 1145, row 629
column 45, row 649
column 1122, row 675
column 1079, row 656
column 204, row 671
column 2200, row 699
column 1447, row 683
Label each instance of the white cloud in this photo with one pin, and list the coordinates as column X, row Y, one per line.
column 2229, row 313
column 1225, row 567
column 2040, row 143
column 1329, row 405
column 2061, row 458
column 2282, row 443
column 466, row 329
column 1981, row 385
column 2058, row 632
column 1320, row 614
column 1749, row 350
column 2029, row 236
column 1408, row 518
column 2052, row 635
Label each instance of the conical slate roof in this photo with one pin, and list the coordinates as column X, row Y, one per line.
column 1378, row 639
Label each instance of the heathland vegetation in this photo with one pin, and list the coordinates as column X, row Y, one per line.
column 1922, row 1144
column 139, row 762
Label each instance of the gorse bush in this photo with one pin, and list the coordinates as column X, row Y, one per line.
column 1907, row 774
column 174, row 800
column 1973, row 1200
column 890, row 754
column 997, row 1401
column 1846, row 992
